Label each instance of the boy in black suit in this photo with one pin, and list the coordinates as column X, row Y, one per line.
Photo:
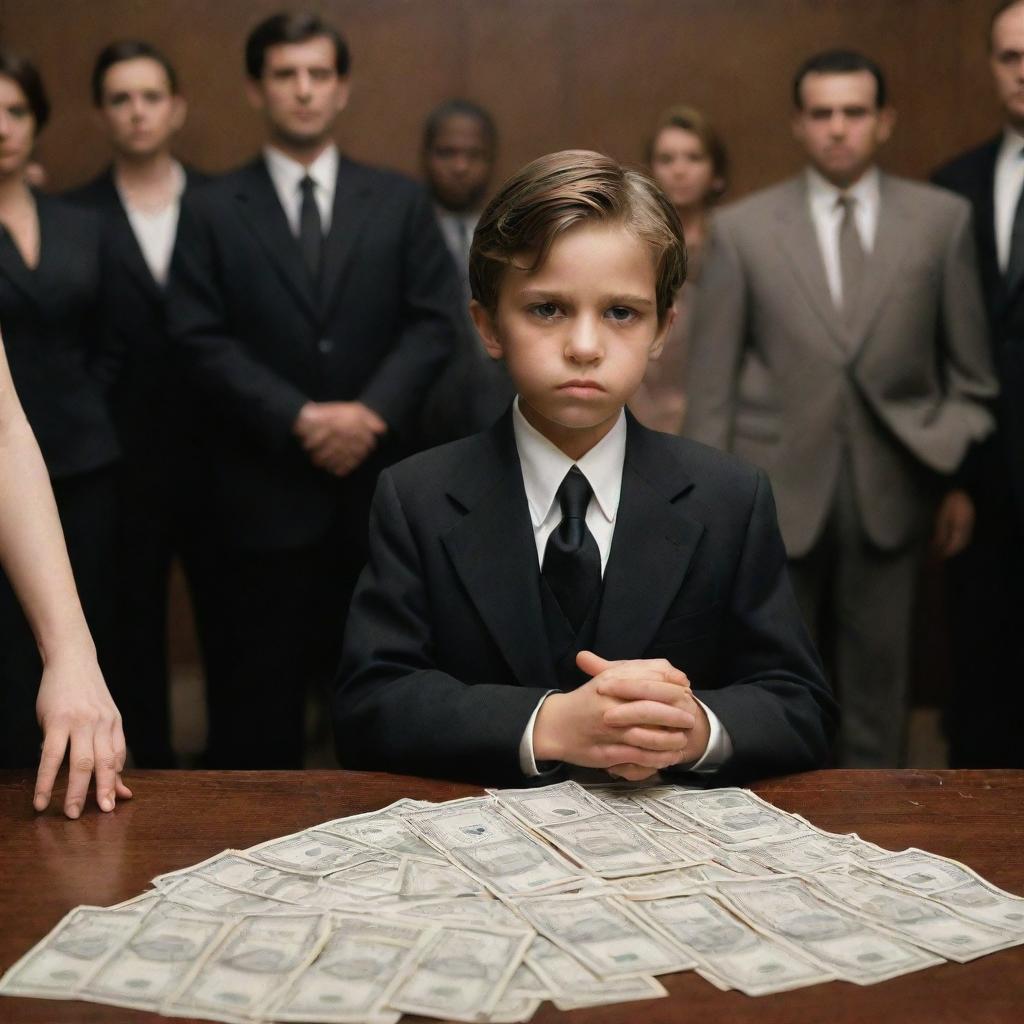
column 569, row 588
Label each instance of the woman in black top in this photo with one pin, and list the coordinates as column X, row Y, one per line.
column 50, row 303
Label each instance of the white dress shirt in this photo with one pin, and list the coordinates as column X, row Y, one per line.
column 458, row 229
column 1009, row 179
column 827, row 215
column 287, row 175
column 544, row 466
column 155, row 230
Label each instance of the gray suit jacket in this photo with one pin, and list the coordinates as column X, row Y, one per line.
column 777, row 377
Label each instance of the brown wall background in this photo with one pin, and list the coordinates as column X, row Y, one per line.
column 555, row 73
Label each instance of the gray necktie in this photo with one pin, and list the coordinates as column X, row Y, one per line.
column 851, row 258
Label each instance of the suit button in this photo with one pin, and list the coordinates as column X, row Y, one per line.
column 325, row 346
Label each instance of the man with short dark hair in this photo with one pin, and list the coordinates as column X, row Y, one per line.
column 459, row 145
column 840, row 344
column 139, row 106
column 986, row 715
column 313, row 302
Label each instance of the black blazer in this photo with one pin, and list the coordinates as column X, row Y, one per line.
column 445, row 653
column 260, row 342
column 56, row 346
column 972, row 175
column 152, row 410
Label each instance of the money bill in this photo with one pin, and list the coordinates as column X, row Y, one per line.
column 257, row 959
column 728, row 951
column 604, row 934
column 844, row 944
column 571, row 986
column 462, row 974
column 200, row 894
column 493, row 849
column 385, row 832
column 149, row 969
column 733, row 818
column 513, row 1009
column 234, row 870
column 373, row 881
column 925, row 922
column 469, row 910
column 363, row 961
column 814, row 851
column 60, row 964
column 310, row 853
column 587, row 830
column 679, row 882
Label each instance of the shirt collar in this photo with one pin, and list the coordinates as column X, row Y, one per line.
column 823, row 194
column 1013, row 142
column 545, row 465
column 287, row 173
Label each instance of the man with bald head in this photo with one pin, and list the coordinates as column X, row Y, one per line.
column 987, row 594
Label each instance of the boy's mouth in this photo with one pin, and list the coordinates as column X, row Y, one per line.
column 580, row 385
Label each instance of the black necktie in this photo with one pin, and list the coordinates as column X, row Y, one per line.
column 1015, row 263
column 311, row 235
column 572, row 562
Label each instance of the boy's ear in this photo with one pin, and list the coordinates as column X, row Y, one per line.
column 487, row 329
column 659, row 339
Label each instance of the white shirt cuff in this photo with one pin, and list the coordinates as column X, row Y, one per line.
column 719, row 744
column 527, row 762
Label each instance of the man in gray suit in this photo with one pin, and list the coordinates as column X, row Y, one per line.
column 840, row 344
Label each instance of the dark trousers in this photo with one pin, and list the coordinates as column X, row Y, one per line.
column 87, row 505
column 285, row 614
column 985, row 718
column 858, row 601
column 160, row 519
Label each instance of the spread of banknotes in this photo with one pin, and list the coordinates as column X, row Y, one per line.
column 481, row 909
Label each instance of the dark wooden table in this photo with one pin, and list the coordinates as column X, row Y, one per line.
column 49, row 865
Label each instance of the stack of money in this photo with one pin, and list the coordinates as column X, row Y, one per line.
column 480, row 909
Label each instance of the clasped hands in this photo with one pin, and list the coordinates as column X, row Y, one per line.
column 632, row 718
column 338, row 436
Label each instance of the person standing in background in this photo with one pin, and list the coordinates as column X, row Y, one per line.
column 986, row 714
column 314, row 303
column 688, row 160
column 840, row 344
column 460, row 141
column 51, row 298
column 159, row 424
column 73, row 707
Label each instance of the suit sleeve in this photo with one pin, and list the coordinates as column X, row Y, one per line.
column 717, row 338
column 429, row 302
column 252, row 395
column 968, row 374
column 393, row 709
column 773, row 699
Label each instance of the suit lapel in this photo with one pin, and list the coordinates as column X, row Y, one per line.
column 653, row 544
column 799, row 241
column 892, row 238
column 126, row 244
column 262, row 213
column 348, row 216
column 494, row 553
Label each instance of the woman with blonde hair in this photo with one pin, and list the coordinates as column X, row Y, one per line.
column 687, row 158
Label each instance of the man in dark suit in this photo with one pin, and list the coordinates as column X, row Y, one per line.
column 313, row 302
column 162, row 488
column 986, row 717
column 570, row 590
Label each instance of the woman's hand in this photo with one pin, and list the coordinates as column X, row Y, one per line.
column 75, row 710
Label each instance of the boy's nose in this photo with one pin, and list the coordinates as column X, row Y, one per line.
column 584, row 341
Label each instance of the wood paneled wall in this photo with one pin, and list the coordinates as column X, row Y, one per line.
column 555, row 73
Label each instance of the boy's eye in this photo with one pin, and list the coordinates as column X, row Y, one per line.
column 621, row 314
column 545, row 310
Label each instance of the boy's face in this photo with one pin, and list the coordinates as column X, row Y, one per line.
column 139, row 110
column 577, row 333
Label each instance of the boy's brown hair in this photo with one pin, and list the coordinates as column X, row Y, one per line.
column 556, row 192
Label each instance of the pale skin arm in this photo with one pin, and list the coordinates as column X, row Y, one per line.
column 74, row 707
column 633, row 718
